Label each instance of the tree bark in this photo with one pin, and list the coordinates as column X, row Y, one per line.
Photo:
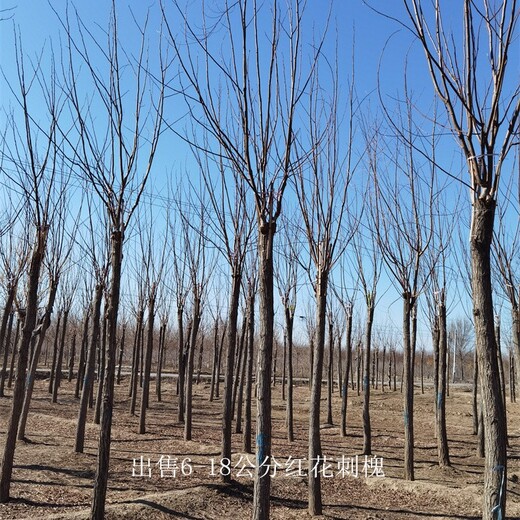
column 344, row 393
column 188, row 414
column 262, row 484
column 57, row 376
column 103, row 460
column 227, row 404
column 408, row 380
column 315, row 506
column 495, row 471
column 289, row 325
column 367, row 430
column 442, row 437
column 147, row 364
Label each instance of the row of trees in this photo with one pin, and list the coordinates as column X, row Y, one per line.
column 279, row 150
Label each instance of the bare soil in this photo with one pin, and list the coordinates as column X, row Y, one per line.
column 51, row 481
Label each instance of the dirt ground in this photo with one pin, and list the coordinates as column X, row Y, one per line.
column 51, row 481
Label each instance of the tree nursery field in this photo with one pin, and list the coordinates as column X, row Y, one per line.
column 159, row 475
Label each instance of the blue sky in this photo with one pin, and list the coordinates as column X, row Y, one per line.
column 381, row 46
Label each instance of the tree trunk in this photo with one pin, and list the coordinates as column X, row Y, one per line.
column 501, row 372
column 90, row 366
column 138, row 345
column 214, row 364
column 475, row 392
column 189, row 369
column 19, row 324
column 82, row 355
column 408, row 377
column 23, row 355
column 72, row 358
column 57, row 376
column 344, row 393
column 515, row 336
column 367, row 430
column 227, row 404
column 289, row 325
column 121, row 352
column 249, row 371
column 7, row 318
column 52, row 374
column 101, row 478
column 160, row 361
column 101, row 372
column 315, row 503
column 330, row 380
column 147, row 364
column 238, row 364
column 181, row 365
column 31, row 374
column 495, row 472
column 442, row 437
column 262, row 484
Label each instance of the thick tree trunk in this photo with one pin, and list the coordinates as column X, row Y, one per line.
column 23, row 355
column 495, row 472
column 90, row 365
column 227, row 404
column 367, row 430
column 105, row 434
column 344, row 393
column 315, row 503
column 262, row 484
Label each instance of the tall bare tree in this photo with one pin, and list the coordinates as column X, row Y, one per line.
column 323, row 186
column 36, row 172
column 402, row 215
column 113, row 147
column 483, row 105
column 264, row 77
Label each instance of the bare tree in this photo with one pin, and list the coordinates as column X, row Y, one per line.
column 322, row 187
column 114, row 151
column 483, row 115
column 264, row 78
column 402, row 216
column 32, row 151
